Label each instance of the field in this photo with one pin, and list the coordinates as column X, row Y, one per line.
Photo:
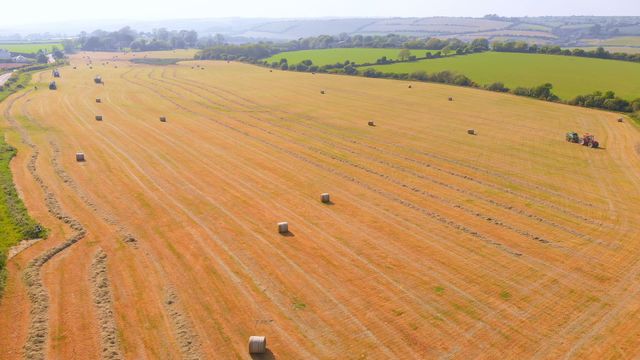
column 437, row 244
column 332, row 56
column 27, row 48
column 616, row 41
column 569, row 75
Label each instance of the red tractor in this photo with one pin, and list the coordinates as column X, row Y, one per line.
column 590, row 141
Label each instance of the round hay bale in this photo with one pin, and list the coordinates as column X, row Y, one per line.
column 450, row 99
column 163, row 119
column 257, row 344
column 471, row 132
column 99, row 117
column 325, row 198
column 98, row 100
column 283, row 227
column 322, row 92
column 80, row 157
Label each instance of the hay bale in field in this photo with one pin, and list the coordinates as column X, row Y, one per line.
column 257, row 344
column 371, row 123
column 450, row 99
column 163, row 119
column 98, row 100
column 99, row 117
column 325, row 198
column 322, row 92
column 283, row 227
column 620, row 120
column 409, row 86
column 471, row 132
column 80, row 157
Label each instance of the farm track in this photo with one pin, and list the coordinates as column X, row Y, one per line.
column 425, row 253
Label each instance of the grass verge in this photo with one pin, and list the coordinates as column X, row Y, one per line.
column 15, row 222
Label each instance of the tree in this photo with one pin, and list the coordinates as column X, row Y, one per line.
column 41, row 58
column 404, row 54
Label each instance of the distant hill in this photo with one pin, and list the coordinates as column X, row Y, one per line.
column 565, row 31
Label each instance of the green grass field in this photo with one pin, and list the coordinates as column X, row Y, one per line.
column 29, row 47
column 570, row 76
column 332, row 56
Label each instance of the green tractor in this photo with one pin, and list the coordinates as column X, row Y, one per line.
column 573, row 137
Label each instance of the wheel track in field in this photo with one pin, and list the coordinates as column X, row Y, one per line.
column 34, row 347
column 352, row 179
column 424, row 177
column 507, row 178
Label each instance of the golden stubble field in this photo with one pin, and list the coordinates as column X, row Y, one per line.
column 438, row 244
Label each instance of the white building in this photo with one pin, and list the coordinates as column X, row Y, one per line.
column 20, row 59
column 5, row 54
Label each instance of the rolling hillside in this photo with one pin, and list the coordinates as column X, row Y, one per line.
column 437, row 244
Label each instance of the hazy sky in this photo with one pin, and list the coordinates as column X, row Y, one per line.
column 13, row 12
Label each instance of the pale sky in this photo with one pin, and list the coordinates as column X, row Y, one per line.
column 15, row 12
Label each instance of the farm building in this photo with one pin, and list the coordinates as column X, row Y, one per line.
column 20, row 59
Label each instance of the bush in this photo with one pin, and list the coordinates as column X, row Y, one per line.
column 608, row 101
column 497, row 86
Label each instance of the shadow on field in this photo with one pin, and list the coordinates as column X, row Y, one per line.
column 288, row 234
column 268, row 355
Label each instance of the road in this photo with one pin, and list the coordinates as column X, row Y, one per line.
column 4, row 78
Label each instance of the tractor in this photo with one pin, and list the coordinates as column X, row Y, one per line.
column 98, row 79
column 590, row 141
column 56, row 73
column 53, row 86
column 573, row 137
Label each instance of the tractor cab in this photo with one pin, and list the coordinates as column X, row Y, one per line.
column 53, row 86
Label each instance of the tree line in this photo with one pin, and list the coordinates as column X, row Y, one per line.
column 524, row 47
column 127, row 38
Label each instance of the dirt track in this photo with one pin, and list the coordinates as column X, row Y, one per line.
column 512, row 243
